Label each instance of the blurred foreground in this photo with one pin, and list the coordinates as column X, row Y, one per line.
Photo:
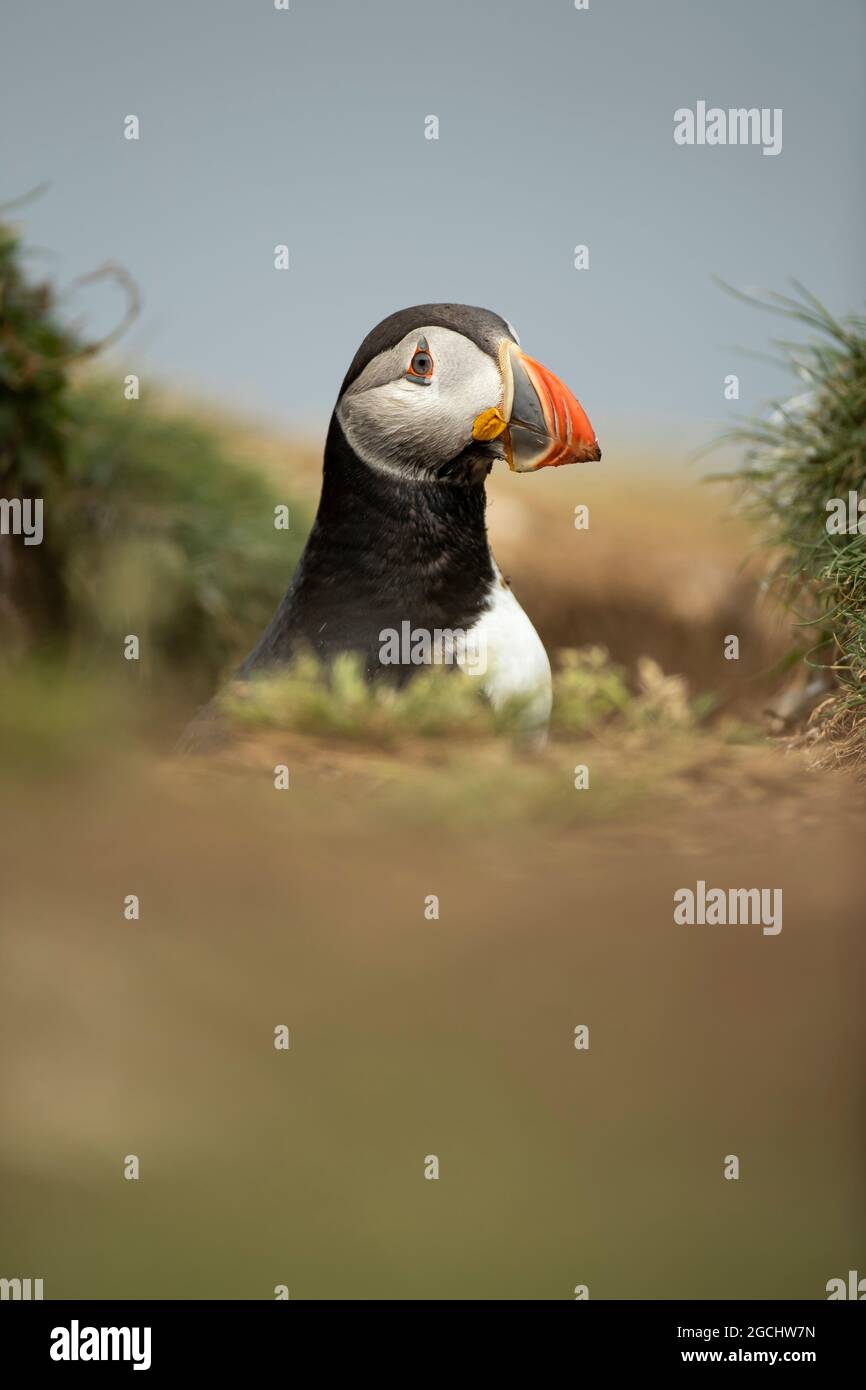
column 412, row 1037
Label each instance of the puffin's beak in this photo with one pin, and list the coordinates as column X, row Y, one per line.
column 547, row 425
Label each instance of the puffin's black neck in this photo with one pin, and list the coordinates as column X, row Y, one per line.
column 398, row 530
column 382, row 551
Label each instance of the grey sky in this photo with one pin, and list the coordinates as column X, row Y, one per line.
column 307, row 127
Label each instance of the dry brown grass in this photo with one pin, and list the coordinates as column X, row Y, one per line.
column 663, row 570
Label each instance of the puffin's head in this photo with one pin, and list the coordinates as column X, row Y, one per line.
column 441, row 390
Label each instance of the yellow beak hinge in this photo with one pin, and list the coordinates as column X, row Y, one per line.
column 489, row 424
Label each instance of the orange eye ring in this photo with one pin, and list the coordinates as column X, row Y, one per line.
column 421, row 366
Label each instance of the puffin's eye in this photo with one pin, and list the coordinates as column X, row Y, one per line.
column 421, row 366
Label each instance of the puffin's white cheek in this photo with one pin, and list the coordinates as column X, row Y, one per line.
column 414, row 396
column 395, row 421
column 424, row 412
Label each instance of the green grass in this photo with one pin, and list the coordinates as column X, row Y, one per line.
column 167, row 535
column 590, row 691
column 341, row 703
column 798, row 456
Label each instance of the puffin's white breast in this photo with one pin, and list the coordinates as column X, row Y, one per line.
column 516, row 662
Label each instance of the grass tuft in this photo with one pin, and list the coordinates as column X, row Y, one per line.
column 799, row 456
column 589, row 691
column 341, row 703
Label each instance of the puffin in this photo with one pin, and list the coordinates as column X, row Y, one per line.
column 435, row 396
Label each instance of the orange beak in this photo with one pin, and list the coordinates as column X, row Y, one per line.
column 547, row 425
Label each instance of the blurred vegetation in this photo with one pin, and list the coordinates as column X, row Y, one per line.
column 168, row 535
column 152, row 526
column 590, row 691
column 803, row 453
column 35, row 352
column 341, row 703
